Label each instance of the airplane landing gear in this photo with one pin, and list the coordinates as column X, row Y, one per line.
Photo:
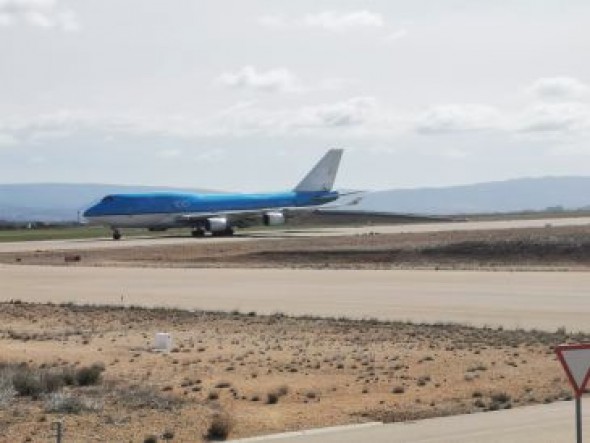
column 225, row 233
column 116, row 234
column 198, row 232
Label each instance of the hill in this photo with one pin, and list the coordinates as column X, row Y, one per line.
column 534, row 194
column 61, row 202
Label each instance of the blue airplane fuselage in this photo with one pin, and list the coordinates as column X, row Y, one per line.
column 163, row 209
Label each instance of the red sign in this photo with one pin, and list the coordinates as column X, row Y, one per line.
column 575, row 359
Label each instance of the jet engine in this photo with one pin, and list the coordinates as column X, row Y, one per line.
column 273, row 218
column 216, row 224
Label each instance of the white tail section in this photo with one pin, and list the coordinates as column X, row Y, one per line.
column 323, row 174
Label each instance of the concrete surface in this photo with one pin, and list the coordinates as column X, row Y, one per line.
column 545, row 300
column 553, row 423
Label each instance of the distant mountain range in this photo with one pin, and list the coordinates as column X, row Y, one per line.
column 55, row 202
column 526, row 194
column 61, row 202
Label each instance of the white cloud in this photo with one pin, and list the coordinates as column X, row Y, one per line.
column 7, row 140
column 168, row 153
column 273, row 80
column 343, row 21
column 38, row 13
column 332, row 21
column 396, row 35
column 558, row 88
column 556, row 117
column 273, row 21
column 352, row 112
column 458, row 118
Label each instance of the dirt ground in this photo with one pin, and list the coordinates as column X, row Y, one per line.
column 244, row 374
column 543, row 248
column 261, row 374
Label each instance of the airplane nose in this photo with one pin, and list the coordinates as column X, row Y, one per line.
column 90, row 211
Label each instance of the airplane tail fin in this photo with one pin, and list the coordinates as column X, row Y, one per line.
column 323, row 174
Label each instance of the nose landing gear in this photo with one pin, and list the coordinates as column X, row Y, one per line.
column 116, row 234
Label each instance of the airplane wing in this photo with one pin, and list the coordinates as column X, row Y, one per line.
column 240, row 218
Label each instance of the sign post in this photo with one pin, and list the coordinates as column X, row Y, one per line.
column 575, row 360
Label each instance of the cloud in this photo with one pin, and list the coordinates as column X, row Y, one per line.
column 455, row 118
column 338, row 21
column 7, row 140
column 44, row 14
column 273, row 80
column 556, row 117
column 168, row 153
column 273, row 21
column 558, row 88
column 352, row 112
column 396, row 35
column 332, row 21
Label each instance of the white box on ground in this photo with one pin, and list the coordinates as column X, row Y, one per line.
column 163, row 341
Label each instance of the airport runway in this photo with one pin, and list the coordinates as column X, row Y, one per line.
column 532, row 424
column 283, row 233
column 545, row 300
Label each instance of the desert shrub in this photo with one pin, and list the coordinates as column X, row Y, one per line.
column 282, row 390
column 168, row 435
column 219, row 428
column 89, row 375
column 398, row 390
column 7, row 391
column 500, row 397
column 51, row 381
column 150, row 439
column 272, row 398
column 62, row 403
column 147, row 398
column 478, row 403
column 27, row 384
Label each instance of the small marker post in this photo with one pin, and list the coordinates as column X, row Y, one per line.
column 575, row 360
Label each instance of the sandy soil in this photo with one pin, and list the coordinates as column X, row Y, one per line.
column 323, row 371
column 524, row 248
column 267, row 373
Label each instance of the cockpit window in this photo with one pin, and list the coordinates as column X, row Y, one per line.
column 108, row 198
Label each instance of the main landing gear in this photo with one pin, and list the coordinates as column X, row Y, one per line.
column 228, row 232
column 198, row 232
column 116, row 234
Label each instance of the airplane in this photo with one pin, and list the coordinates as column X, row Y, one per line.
column 217, row 214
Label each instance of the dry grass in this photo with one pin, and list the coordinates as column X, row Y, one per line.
column 321, row 372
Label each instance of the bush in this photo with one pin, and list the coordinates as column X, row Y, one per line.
column 147, row 398
column 89, row 375
column 398, row 390
column 500, row 397
column 272, row 398
column 219, row 428
column 27, row 384
column 64, row 404
column 150, row 439
column 69, row 404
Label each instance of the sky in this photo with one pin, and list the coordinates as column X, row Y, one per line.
column 247, row 95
